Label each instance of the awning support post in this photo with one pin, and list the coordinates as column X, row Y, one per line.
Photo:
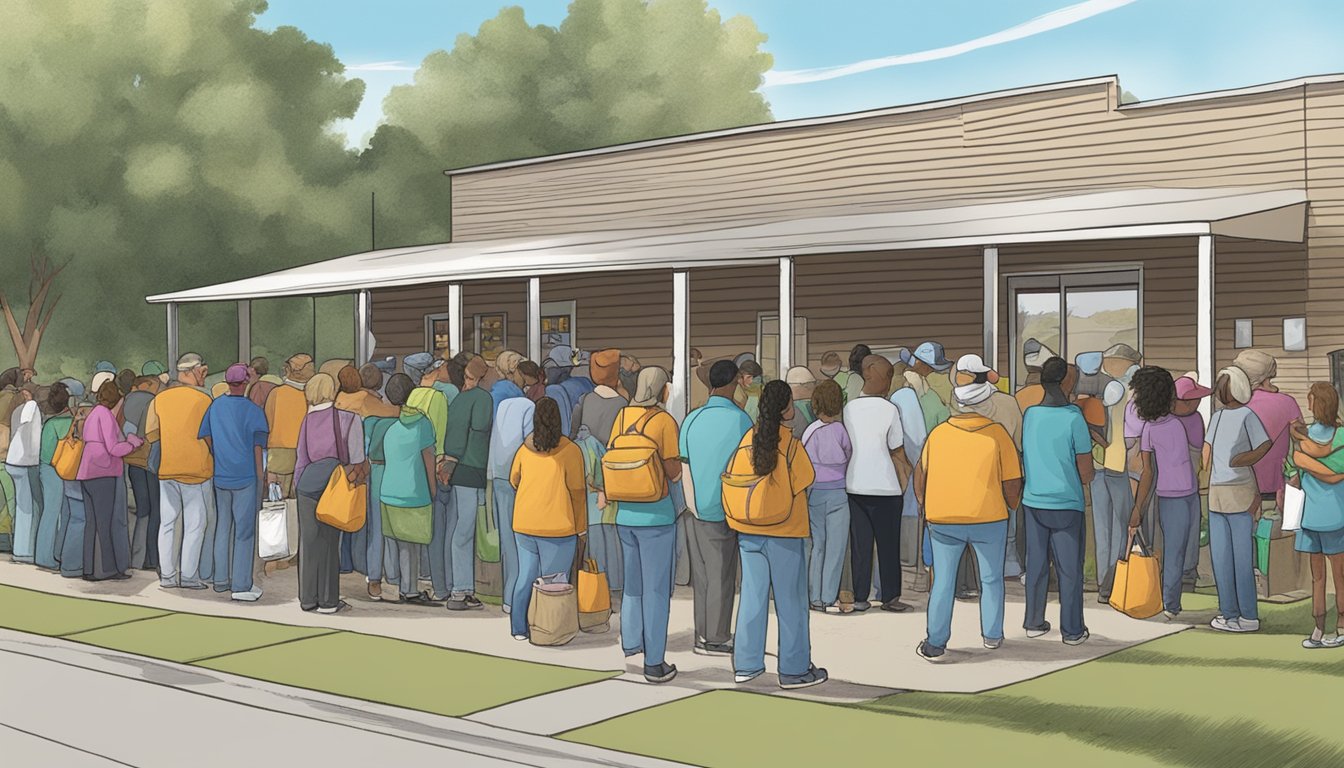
column 454, row 318
column 786, row 351
column 534, row 319
column 1204, row 323
column 171, row 362
column 991, row 307
column 678, row 403
column 363, row 320
column 244, row 331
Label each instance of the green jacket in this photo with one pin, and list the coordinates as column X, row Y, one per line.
column 468, row 436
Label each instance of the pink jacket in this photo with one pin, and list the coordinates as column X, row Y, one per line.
column 104, row 446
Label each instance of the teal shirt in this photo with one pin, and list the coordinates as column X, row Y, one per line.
column 53, row 432
column 1053, row 437
column 404, row 483
column 1324, row 510
column 708, row 438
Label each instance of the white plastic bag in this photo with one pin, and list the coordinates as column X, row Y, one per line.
column 1294, row 501
column 273, row 526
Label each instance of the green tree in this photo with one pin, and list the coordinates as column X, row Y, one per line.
column 152, row 146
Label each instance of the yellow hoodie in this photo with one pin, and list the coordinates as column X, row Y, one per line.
column 966, row 461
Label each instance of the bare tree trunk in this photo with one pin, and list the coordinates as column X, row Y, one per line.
column 41, row 306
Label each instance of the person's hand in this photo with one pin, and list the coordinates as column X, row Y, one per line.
column 601, row 498
column 271, row 477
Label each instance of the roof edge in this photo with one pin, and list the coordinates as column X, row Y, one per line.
column 1250, row 90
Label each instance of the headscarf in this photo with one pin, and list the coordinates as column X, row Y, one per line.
column 1258, row 366
column 649, row 388
column 604, row 367
column 1238, row 383
column 299, row 368
column 974, row 394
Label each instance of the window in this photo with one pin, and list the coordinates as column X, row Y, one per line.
column 767, row 344
column 1244, row 338
column 1069, row 314
column 1294, row 334
column 437, row 333
column 557, row 326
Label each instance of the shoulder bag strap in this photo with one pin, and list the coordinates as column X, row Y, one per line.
column 342, row 450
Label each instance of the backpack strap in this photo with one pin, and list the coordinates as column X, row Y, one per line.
column 638, row 427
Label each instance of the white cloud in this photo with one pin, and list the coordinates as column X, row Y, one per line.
column 1054, row 20
column 381, row 66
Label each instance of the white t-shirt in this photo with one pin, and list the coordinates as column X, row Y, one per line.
column 874, row 427
column 25, row 441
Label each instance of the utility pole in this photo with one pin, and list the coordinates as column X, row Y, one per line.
column 373, row 221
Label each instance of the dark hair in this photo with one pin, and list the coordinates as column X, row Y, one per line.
column 398, row 389
column 125, row 380
column 546, row 425
column 751, row 368
column 349, row 380
column 1325, row 404
column 10, row 378
column 109, row 393
column 58, row 397
column 722, row 373
column 260, row 365
column 530, row 369
column 370, row 376
column 828, row 399
column 775, row 400
column 1154, row 390
column 457, row 373
column 856, row 356
column 1054, row 371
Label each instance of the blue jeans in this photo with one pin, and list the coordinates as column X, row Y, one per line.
column 989, row 542
column 772, row 563
column 27, row 497
column 70, row 537
column 380, row 554
column 452, row 550
column 53, row 507
column 1112, row 501
column 604, row 546
column 537, row 556
column 1174, row 515
column 505, row 495
column 1055, row 536
column 145, row 537
column 1233, row 552
column 235, row 537
column 647, row 599
column 828, row 513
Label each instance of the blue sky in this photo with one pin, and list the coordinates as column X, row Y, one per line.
column 1158, row 48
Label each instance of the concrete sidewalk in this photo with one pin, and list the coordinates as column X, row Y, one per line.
column 868, row 655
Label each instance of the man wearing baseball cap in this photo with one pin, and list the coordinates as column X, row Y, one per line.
column 285, row 409
column 1189, row 393
column 173, row 421
column 235, row 431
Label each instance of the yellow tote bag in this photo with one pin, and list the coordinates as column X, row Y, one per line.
column 343, row 505
column 69, row 452
column 1138, row 583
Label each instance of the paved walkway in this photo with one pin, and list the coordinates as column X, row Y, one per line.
column 868, row 655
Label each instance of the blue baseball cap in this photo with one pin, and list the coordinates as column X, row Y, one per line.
column 1089, row 363
column 930, row 353
column 103, row 366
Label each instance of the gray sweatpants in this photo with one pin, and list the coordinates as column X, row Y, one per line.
column 711, row 548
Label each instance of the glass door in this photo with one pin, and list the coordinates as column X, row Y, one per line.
column 1069, row 314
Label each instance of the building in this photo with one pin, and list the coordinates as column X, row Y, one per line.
column 1188, row 227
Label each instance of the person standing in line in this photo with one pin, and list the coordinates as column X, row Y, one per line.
column 510, row 381
column 1111, row 492
column 1167, row 472
column 466, row 449
column 70, row 527
column 380, row 553
column 590, row 425
column 263, row 383
column 534, row 381
column 350, row 397
column 1235, row 442
column 1320, row 459
column 1277, row 411
column 914, row 431
column 144, row 479
column 21, row 462
column 831, row 368
column 405, row 489
column 185, row 469
column 157, row 370
column 929, row 362
column 547, row 475
column 285, row 409
column 854, row 378
column 1189, row 394
column 328, row 439
column 969, row 477
column 432, row 397
column 100, row 469
column 359, row 392
column 1057, row 457
column 774, row 555
column 828, row 448
column 235, row 432
column 877, row 474
column 749, row 391
column 709, row 436
column 512, row 424
column 699, row 379
column 648, row 531
column 802, row 383
column 46, row 554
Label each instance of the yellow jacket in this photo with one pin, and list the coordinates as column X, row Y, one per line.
column 285, row 409
column 552, row 493
column 174, row 421
column 801, row 475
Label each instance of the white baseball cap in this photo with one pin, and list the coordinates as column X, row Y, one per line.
column 799, row 375
column 976, row 364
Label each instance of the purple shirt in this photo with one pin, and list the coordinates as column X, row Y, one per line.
column 317, row 438
column 1194, row 428
column 1276, row 411
column 104, row 446
column 1169, row 443
column 829, row 449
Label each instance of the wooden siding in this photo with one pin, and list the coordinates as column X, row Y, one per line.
column 1263, row 283
column 1050, row 143
column 631, row 311
column 1325, row 225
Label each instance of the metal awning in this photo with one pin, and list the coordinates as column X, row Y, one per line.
column 1275, row 215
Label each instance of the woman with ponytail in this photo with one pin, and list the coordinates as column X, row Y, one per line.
column 765, row 501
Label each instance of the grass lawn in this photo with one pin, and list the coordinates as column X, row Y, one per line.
column 1196, row 699
column 186, row 637
column 403, row 673
column 53, row 615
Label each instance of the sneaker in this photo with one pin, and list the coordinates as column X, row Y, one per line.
column 929, row 653
column 169, row 584
column 1248, row 625
column 194, row 585
column 834, row 608
column 1041, row 631
column 1170, row 615
column 819, row 607
column 660, row 674
column 338, row 608
column 993, row 645
column 713, row 649
column 375, row 590
column 520, row 638
column 250, row 596
column 861, row 606
column 747, row 677
column 968, row 595
column 813, row 676
column 1312, row 644
column 466, row 603
column 1079, row 640
column 894, row 605
column 423, row 598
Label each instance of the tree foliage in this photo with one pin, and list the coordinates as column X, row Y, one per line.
column 151, row 146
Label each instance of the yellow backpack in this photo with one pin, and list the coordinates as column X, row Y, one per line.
column 632, row 471
column 754, row 499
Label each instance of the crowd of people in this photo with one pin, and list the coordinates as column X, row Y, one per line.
column 801, row 485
